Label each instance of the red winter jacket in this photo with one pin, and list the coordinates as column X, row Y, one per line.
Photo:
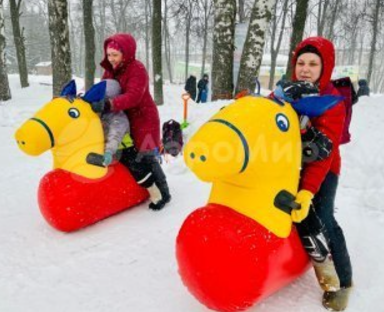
column 135, row 99
column 331, row 123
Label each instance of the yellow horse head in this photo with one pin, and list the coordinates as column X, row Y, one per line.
column 68, row 126
column 250, row 150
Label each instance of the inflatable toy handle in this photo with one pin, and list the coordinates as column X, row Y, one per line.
column 285, row 201
column 95, row 159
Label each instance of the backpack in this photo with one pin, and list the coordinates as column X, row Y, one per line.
column 345, row 87
column 172, row 138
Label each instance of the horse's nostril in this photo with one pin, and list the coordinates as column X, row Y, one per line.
column 192, row 155
column 203, row 158
column 22, row 142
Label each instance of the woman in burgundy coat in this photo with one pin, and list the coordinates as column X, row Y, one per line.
column 135, row 100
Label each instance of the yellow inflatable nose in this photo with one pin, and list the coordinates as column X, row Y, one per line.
column 33, row 138
column 217, row 150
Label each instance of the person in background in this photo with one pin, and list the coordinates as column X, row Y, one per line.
column 363, row 88
column 136, row 101
column 322, row 237
column 203, row 89
column 190, row 87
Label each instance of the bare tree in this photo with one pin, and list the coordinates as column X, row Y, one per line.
column 167, row 41
column 119, row 10
column 241, row 11
column 254, row 45
column 148, row 14
column 60, row 47
column 5, row 92
column 375, row 24
column 335, row 9
column 99, row 17
column 188, row 19
column 274, row 33
column 156, row 53
column 322, row 15
column 18, row 36
column 223, row 47
column 207, row 12
column 297, row 31
column 89, row 36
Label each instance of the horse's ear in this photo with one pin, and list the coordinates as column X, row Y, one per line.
column 69, row 89
column 96, row 93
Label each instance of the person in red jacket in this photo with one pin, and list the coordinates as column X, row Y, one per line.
column 314, row 61
column 136, row 101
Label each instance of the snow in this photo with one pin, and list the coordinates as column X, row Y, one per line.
column 127, row 262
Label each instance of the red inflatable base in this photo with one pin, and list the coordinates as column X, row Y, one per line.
column 70, row 202
column 229, row 262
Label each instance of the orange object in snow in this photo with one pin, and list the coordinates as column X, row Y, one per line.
column 185, row 97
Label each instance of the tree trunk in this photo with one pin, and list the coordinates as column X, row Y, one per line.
column 5, row 92
column 147, row 31
column 254, row 45
column 187, row 37
column 321, row 17
column 207, row 11
column 275, row 52
column 375, row 24
column 60, row 47
column 167, row 43
column 156, row 53
column 241, row 11
column 330, row 34
column 19, row 42
column 223, row 47
column 297, row 31
column 89, row 37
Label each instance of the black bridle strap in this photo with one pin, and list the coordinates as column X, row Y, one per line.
column 45, row 126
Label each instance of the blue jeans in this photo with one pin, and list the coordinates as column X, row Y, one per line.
column 321, row 219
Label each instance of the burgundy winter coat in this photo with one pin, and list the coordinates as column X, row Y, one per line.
column 331, row 123
column 135, row 99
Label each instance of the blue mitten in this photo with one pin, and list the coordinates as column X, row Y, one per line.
column 108, row 157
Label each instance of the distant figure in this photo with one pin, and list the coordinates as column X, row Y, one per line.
column 190, row 87
column 363, row 88
column 282, row 79
column 203, row 89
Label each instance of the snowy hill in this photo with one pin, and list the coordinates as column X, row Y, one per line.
column 127, row 262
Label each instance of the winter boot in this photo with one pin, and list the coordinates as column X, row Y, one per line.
column 326, row 274
column 159, row 187
column 158, row 202
column 337, row 300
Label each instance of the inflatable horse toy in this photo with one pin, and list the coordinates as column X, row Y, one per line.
column 76, row 193
column 242, row 247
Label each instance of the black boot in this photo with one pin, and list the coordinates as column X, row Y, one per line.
column 160, row 187
column 165, row 196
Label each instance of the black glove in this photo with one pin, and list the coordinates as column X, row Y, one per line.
column 102, row 106
column 316, row 145
column 298, row 89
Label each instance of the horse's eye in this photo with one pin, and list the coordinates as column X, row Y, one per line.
column 73, row 113
column 282, row 122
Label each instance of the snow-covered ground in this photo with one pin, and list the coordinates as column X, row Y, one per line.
column 127, row 262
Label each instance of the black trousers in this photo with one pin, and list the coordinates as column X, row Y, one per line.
column 144, row 166
column 321, row 220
